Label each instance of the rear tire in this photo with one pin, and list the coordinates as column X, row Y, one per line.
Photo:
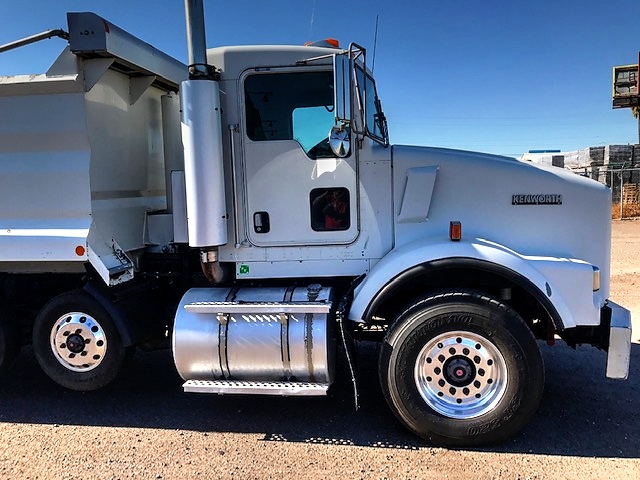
column 461, row 369
column 77, row 343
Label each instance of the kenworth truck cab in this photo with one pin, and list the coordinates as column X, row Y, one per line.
column 251, row 210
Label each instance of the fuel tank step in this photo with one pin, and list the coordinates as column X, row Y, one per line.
column 258, row 307
column 286, row 389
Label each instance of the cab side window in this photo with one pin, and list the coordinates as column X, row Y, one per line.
column 291, row 106
column 329, row 209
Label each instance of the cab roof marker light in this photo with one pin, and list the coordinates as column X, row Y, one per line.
column 327, row 42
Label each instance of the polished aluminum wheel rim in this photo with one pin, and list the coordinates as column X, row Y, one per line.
column 461, row 374
column 78, row 342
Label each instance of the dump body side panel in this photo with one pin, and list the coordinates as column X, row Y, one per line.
column 82, row 159
column 45, row 198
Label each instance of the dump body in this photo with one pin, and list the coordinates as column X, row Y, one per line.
column 82, row 155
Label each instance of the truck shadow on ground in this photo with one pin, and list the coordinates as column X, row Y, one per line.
column 582, row 413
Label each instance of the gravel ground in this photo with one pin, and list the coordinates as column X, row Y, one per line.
column 625, row 269
column 145, row 427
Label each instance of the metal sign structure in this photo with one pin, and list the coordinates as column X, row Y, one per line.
column 625, row 86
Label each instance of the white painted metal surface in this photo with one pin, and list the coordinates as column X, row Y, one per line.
column 81, row 155
column 90, row 34
column 45, row 209
column 555, row 244
column 570, row 280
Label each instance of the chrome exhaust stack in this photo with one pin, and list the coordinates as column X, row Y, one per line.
column 202, row 139
column 197, row 40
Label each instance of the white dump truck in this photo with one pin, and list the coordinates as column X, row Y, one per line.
column 249, row 210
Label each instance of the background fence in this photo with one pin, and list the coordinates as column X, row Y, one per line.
column 617, row 166
column 624, row 183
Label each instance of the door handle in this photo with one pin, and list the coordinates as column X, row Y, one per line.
column 261, row 222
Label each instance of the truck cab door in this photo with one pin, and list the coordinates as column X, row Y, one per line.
column 297, row 191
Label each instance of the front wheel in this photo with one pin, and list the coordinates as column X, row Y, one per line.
column 461, row 369
column 77, row 343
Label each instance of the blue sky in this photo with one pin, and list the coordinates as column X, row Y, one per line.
column 501, row 76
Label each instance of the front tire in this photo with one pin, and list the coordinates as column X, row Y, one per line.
column 461, row 369
column 77, row 343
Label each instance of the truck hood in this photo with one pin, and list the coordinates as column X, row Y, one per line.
column 536, row 210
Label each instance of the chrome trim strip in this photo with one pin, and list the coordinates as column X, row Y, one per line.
column 257, row 308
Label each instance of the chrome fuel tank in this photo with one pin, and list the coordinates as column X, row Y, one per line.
column 259, row 334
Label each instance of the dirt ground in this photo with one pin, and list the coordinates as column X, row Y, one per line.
column 145, row 427
column 625, row 269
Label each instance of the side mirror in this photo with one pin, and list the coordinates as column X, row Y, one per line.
column 342, row 88
column 339, row 138
column 339, row 141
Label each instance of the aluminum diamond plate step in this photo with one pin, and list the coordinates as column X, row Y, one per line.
column 258, row 307
column 256, row 388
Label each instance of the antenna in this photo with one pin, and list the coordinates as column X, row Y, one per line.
column 313, row 11
column 375, row 44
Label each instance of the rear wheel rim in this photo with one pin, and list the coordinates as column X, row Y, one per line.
column 78, row 342
column 460, row 374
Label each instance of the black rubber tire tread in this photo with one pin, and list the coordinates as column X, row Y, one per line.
column 475, row 312
column 116, row 357
column 10, row 343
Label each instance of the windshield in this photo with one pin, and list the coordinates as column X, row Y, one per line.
column 376, row 125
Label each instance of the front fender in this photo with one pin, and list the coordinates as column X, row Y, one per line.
column 565, row 284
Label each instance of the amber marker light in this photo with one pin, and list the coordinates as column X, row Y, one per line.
column 596, row 278
column 80, row 251
column 327, row 42
column 455, row 231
